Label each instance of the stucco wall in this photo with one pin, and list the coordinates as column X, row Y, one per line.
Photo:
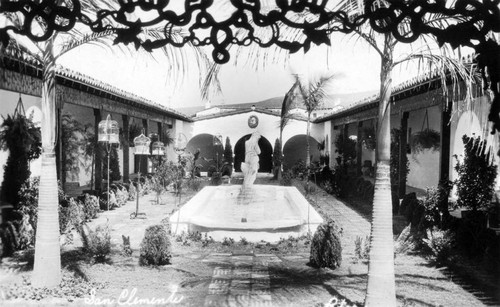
column 236, row 126
column 85, row 116
column 424, row 166
column 472, row 121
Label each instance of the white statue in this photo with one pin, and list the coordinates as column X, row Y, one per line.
column 251, row 164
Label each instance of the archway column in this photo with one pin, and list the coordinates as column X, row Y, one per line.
column 98, row 161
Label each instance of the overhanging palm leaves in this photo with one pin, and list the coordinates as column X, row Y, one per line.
column 312, row 94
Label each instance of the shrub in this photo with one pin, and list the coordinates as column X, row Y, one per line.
column 28, row 200
column 327, row 186
column 243, row 241
column 405, row 241
column 103, row 201
column 361, row 251
column 277, row 158
column 121, row 196
column 132, row 191
column 70, row 217
column 299, row 169
column 326, row 249
column 26, row 234
column 126, row 249
column 155, row 247
column 405, row 203
column 73, row 286
column 216, row 178
column 286, row 179
column 166, row 224
column 98, row 242
column 309, row 188
column 90, row 206
column 476, row 175
column 472, row 235
column 207, row 240
column 9, row 238
column 440, row 243
column 341, row 182
column 431, row 204
column 194, row 184
column 227, row 241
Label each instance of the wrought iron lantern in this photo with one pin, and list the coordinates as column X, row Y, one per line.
column 108, row 131
column 158, row 149
column 180, row 145
column 141, row 145
column 217, row 140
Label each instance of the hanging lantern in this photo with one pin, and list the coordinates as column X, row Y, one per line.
column 108, row 131
column 180, row 144
column 217, row 139
column 158, row 149
column 141, row 144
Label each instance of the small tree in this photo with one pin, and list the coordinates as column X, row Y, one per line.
column 73, row 142
column 114, row 165
column 277, row 160
column 346, row 148
column 228, row 158
column 476, row 175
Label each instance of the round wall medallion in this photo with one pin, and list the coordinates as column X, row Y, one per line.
column 253, row 121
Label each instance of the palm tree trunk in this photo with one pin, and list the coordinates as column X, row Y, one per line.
column 47, row 267
column 381, row 290
column 308, row 149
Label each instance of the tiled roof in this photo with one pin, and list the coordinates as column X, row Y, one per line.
column 373, row 100
column 246, row 110
column 77, row 76
column 401, row 88
column 69, row 74
column 275, row 103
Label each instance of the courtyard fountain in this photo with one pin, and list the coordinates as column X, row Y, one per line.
column 250, row 211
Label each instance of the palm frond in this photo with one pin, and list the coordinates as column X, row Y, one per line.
column 211, row 84
column 315, row 92
column 447, row 69
column 287, row 106
column 77, row 39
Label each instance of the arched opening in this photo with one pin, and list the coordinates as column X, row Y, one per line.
column 295, row 150
column 208, row 151
column 265, row 157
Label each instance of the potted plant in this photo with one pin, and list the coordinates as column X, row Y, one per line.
column 425, row 139
column 22, row 139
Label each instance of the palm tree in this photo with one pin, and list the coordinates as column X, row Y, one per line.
column 313, row 93
column 381, row 281
column 47, row 266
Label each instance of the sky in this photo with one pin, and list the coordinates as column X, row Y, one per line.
column 355, row 65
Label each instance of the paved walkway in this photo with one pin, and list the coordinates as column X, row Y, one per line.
column 240, row 279
column 352, row 223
